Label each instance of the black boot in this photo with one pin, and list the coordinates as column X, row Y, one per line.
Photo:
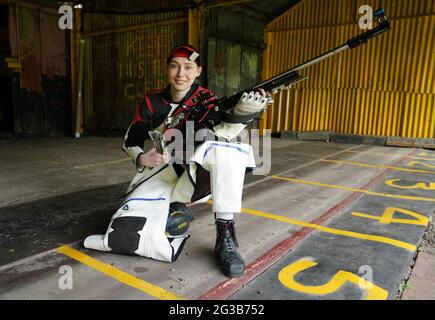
column 229, row 259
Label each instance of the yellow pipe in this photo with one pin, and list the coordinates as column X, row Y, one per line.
column 404, row 118
column 79, row 109
column 74, row 50
column 193, row 26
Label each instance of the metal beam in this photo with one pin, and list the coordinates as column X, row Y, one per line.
column 224, row 3
column 266, row 16
column 137, row 27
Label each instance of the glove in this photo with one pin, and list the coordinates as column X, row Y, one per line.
column 250, row 103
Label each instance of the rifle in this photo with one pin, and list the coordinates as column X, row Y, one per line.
column 221, row 111
column 292, row 76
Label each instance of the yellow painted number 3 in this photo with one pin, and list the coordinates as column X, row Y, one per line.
column 286, row 276
column 420, row 185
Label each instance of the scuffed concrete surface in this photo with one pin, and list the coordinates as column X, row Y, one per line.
column 421, row 282
column 74, row 186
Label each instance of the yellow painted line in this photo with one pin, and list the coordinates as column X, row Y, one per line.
column 355, row 190
column 389, row 155
column 119, row 275
column 351, row 234
column 357, row 235
column 376, row 166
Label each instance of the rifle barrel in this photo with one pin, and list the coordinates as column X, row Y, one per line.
column 306, row 64
column 292, row 75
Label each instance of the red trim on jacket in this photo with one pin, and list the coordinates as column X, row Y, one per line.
column 137, row 116
column 148, row 103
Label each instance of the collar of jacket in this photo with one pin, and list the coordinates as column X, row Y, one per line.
column 168, row 98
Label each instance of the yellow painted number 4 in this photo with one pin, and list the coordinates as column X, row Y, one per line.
column 387, row 217
column 286, row 276
column 414, row 163
column 425, row 154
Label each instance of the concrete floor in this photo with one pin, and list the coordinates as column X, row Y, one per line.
column 313, row 206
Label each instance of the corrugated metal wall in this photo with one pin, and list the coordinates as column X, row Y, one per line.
column 120, row 67
column 6, row 102
column 386, row 87
column 40, row 86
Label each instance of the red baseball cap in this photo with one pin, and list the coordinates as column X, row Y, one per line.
column 184, row 51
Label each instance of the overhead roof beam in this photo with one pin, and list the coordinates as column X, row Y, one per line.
column 284, row 8
column 266, row 16
column 224, row 3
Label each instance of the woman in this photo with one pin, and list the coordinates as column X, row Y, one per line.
column 216, row 169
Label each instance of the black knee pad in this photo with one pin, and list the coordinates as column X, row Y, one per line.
column 179, row 219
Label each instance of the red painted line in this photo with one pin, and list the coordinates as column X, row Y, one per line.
column 228, row 287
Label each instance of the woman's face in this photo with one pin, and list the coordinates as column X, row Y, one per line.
column 182, row 72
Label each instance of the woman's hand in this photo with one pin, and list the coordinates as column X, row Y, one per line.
column 151, row 159
column 262, row 92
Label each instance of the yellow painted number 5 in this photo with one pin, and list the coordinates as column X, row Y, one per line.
column 286, row 276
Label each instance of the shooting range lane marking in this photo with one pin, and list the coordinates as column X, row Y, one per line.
column 119, row 275
column 227, row 288
column 352, row 234
column 355, row 189
column 390, row 155
column 375, row 166
column 267, row 178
